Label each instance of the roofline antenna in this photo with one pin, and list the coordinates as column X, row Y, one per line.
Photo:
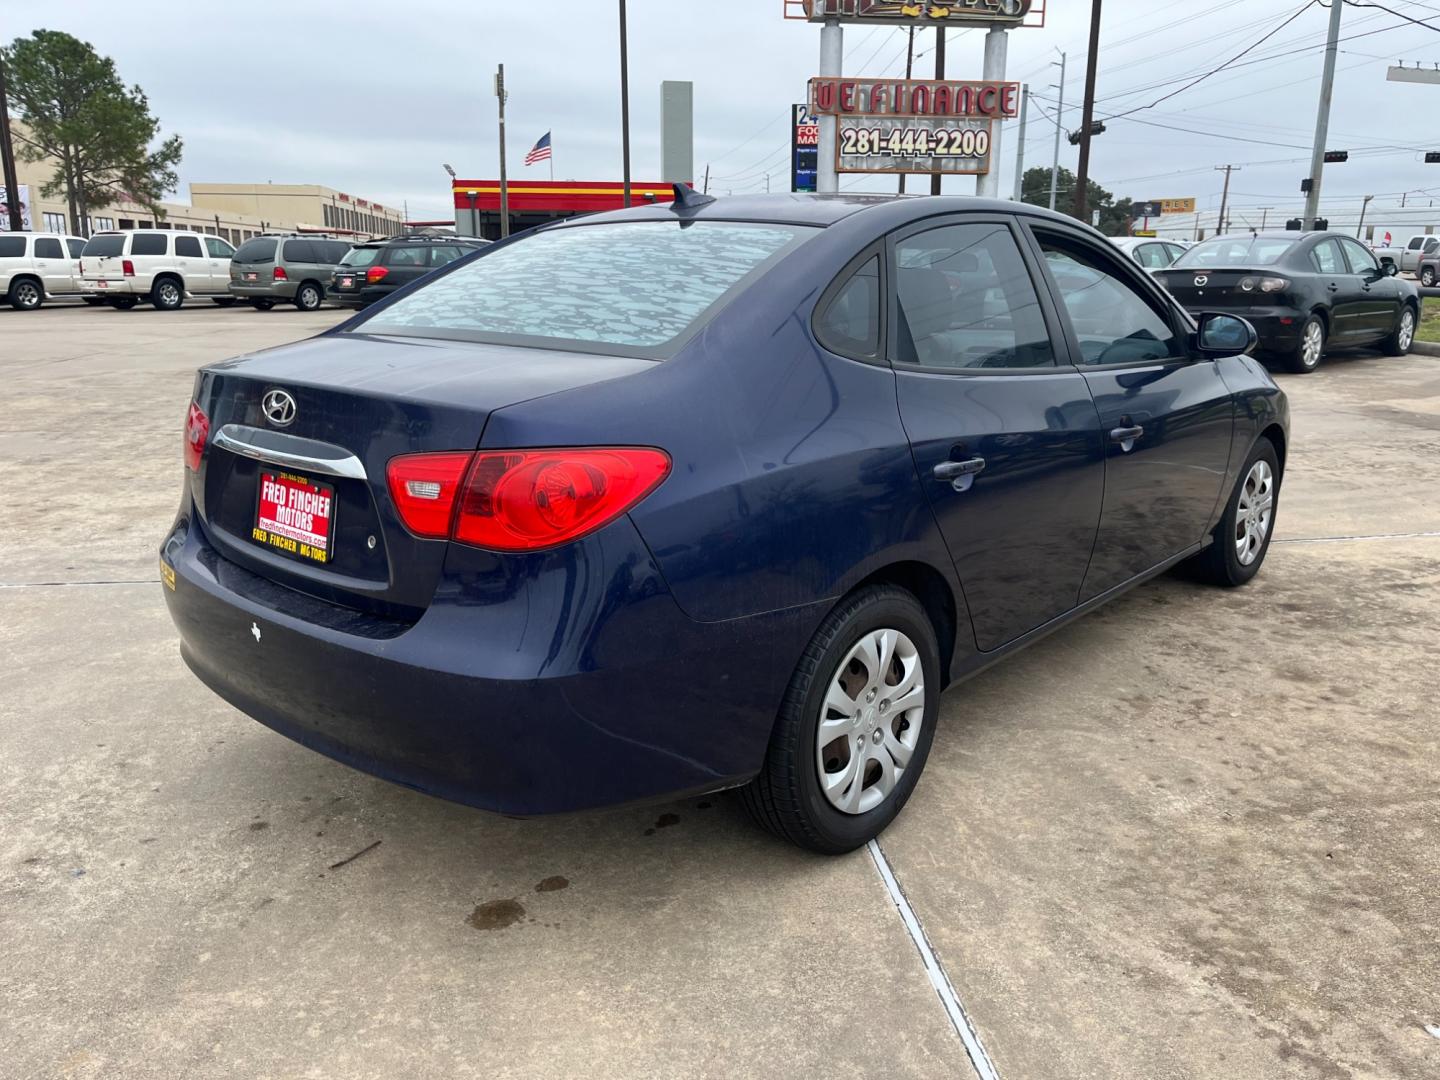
column 687, row 198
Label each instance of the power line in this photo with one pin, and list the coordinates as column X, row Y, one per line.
column 1390, row 11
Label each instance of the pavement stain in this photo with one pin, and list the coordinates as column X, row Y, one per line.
column 553, row 884
column 497, row 914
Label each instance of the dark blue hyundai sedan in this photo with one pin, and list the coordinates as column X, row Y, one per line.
column 718, row 495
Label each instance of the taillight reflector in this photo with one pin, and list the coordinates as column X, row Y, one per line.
column 127, row 268
column 522, row 500
column 375, row 273
column 280, row 275
column 197, row 435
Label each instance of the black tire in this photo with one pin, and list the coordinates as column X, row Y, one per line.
column 1303, row 360
column 1427, row 277
column 263, row 305
column 1220, row 564
column 786, row 797
column 1401, row 338
column 167, row 294
column 26, row 294
column 124, row 303
column 309, row 296
column 223, row 301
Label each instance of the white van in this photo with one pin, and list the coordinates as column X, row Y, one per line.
column 34, row 266
column 163, row 266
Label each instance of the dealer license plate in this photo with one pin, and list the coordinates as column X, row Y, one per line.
column 102, row 284
column 252, row 277
column 347, row 282
column 295, row 516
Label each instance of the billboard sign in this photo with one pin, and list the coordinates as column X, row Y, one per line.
column 22, row 192
column 804, row 149
column 830, row 95
column 898, row 13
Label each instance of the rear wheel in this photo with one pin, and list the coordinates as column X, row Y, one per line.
column 308, row 297
column 167, row 295
column 1399, row 342
column 1427, row 277
column 855, row 726
column 26, row 295
column 1242, row 538
column 1307, row 354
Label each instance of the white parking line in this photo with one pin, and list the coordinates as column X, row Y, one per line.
column 1347, row 539
column 984, row 1067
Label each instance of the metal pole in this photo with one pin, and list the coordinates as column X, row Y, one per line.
column 832, row 56
column 705, row 190
column 1059, row 127
column 1363, row 207
column 1265, row 216
column 939, row 74
column 625, row 100
column 909, row 72
column 7, row 160
column 504, row 179
column 987, row 184
column 1087, row 118
column 1322, row 119
column 1020, row 139
column 1220, row 225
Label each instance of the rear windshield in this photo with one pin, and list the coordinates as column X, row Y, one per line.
column 637, row 285
column 259, row 250
column 1237, row 251
column 360, row 256
column 112, row 244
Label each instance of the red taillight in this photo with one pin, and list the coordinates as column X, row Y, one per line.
column 522, row 500
column 280, row 274
column 127, row 268
column 375, row 273
column 197, row 434
column 423, row 487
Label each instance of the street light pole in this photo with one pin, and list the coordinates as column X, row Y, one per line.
column 1363, row 207
column 625, row 101
column 1322, row 118
column 1020, row 141
column 504, row 180
column 1059, row 123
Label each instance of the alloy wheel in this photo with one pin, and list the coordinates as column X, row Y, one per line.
column 27, row 295
column 169, row 294
column 870, row 721
column 1428, row 278
column 1406, row 334
column 1254, row 512
column 1313, row 345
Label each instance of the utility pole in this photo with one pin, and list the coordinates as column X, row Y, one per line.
column 1220, row 226
column 1322, row 118
column 1264, row 215
column 832, row 60
column 1020, row 139
column 939, row 74
column 909, row 71
column 1363, row 207
column 504, row 180
column 1059, row 125
column 705, row 190
column 1082, row 174
column 625, row 101
column 7, row 160
column 997, row 48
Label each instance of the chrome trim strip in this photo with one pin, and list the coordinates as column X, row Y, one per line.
column 290, row 451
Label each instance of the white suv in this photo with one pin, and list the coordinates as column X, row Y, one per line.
column 163, row 266
column 34, row 266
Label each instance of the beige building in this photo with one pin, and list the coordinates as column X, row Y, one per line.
column 235, row 212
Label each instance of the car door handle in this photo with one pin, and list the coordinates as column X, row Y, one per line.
column 1126, row 434
column 960, row 474
column 1334, row 287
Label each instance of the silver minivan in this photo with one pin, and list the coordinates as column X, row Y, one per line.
column 268, row 269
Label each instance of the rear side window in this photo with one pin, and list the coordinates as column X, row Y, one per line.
column 259, row 250
column 76, row 247
column 635, row 285
column 1327, row 258
column 218, row 248
column 149, row 244
column 189, row 246
column 406, row 256
column 48, row 247
column 850, row 323
column 360, row 256
column 441, row 254
column 966, row 300
column 300, row 251
column 332, row 250
column 12, row 247
column 101, row 246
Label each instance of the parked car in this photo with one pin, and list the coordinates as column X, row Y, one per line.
column 712, row 495
column 162, row 266
column 374, row 270
column 268, row 269
column 1149, row 252
column 1406, row 257
column 36, row 266
column 1303, row 292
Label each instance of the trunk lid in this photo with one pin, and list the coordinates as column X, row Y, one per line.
column 1198, row 287
column 358, row 402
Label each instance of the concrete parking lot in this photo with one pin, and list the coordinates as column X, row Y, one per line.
column 1191, row 835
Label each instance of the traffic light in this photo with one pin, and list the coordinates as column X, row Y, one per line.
column 1294, row 225
column 1306, row 185
column 1322, row 224
column 1335, row 157
column 1432, row 157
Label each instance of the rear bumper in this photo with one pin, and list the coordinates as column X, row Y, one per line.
column 123, row 287
column 361, row 297
column 264, row 290
column 555, row 689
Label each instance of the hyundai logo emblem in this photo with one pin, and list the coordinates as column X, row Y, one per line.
column 278, row 407
column 1202, row 281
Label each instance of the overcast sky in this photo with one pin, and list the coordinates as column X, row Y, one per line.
column 373, row 98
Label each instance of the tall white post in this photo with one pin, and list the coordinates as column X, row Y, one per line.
column 1020, row 139
column 1059, row 127
column 832, row 55
column 988, row 184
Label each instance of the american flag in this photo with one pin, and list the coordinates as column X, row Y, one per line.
column 540, row 151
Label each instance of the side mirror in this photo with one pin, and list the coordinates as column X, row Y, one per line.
column 1224, row 335
column 1390, row 269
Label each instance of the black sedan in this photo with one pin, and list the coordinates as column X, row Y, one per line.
column 373, row 271
column 1303, row 292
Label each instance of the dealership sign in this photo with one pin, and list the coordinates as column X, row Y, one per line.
column 896, row 13
column 913, row 125
column 1161, row 207
column 804, row 149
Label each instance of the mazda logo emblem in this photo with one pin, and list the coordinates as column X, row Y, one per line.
column 278, row 407
column 1202, row 281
